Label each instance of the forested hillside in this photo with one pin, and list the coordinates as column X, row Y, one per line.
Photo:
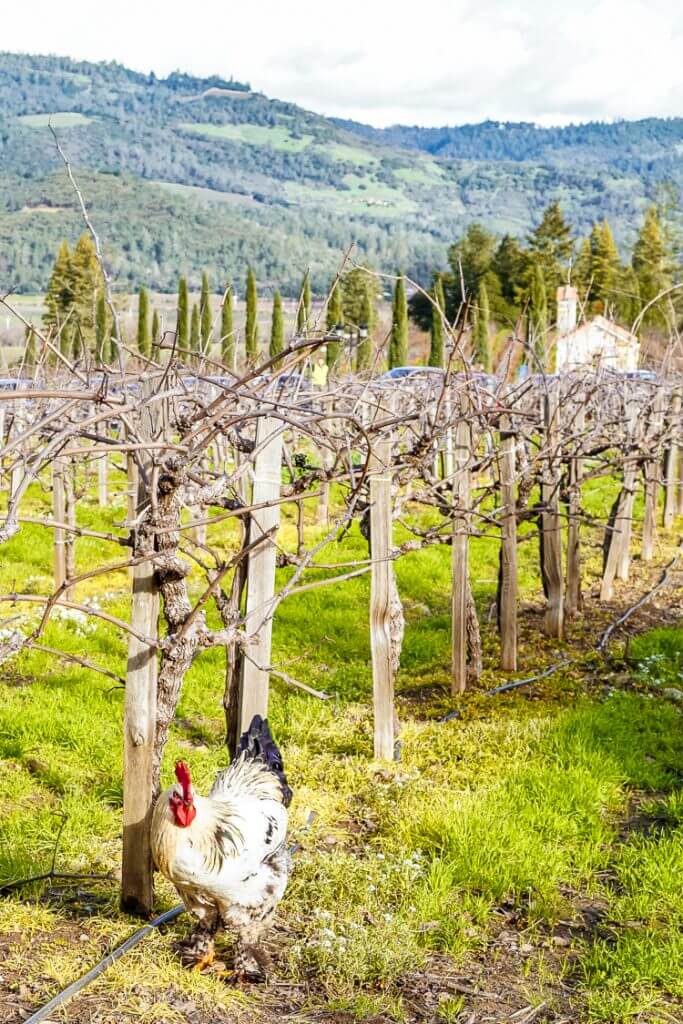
column 183, row 172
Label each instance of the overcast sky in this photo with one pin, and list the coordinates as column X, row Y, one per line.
column 430, row 62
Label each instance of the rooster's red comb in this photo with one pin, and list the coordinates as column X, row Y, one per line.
column 182, row 774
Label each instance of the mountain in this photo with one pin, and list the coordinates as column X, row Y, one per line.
column 185, row 173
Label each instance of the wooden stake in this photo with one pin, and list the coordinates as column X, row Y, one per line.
column 381, row 598
column 573, row 596
column 651, row 478
column 551, row 524
column 670, row 460
column 630, row 485
column 139, row 719
column 261, row 573
column 508, row 589
column 59, row 512
column 103, row 477
column 459, row 604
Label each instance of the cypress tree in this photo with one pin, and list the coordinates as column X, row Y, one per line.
column 30, row 351
column 335, row 318
column 156, row 329
column 251, row 326
column 551, row 246
column 144, row 343
column 605, row 265
column 101, row 335
column 205, row 314
column 436, row 352
column 398, row 343
column 629, row 304
column 303, row 313
column 481, row 340
column 538, row 317
column 182, row 320
column 277, row 330
column 228, row 346
column 364, row 354
column 195, row 337
column 87, row 281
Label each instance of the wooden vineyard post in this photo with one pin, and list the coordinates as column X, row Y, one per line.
column 671, row 457
column 59, row 513
column 139, row 714
column 253, row 697
column 573, row 595
column 651, row 473
column 630, row 484
column 70, row 511
column 551, row 526
column 381, row 582
column 460, row 567
column 103, row 477
column 508, row 587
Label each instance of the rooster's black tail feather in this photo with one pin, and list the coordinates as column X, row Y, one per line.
column 258, row 745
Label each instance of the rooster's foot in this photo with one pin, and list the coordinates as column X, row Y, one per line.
column 251, row 964
column 197, row 952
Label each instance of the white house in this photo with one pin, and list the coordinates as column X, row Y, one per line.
column 596, row 342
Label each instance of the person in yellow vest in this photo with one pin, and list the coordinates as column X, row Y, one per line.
column 319, row 372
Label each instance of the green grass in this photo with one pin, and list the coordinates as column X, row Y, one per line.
column 519, row 803
column 253, row 134
column 58, row 119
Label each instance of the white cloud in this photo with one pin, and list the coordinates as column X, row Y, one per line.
column 435, row 62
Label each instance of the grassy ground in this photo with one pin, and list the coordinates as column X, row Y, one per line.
column 521, row 860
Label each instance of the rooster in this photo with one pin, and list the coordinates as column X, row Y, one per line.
column 226, row 853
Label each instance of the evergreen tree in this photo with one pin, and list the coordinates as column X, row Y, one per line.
column 195, row 336
column 228, row 346
column 398, row 343
column 303, row 313
column 30, row 348
column 277, row 330
column 605, row 266
column 144, row 343
column 60, row 290
column 367, row 321
column 537, row 333
column 335, row 318
column 156, row 332
column 205, row 314
column 357, row 287
column 652, row 265
column 481, row 342
column 582, row 272
column 101, row 333
column 436, row 348
column 251, row 328
column 87, row 282
column 182, row 319
column 628, row 303
column 510, row 267
column 551, row 247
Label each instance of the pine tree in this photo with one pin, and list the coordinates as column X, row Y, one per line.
column 87, row 282
column 59, row 297
column 481, row 337
column 251, row 327
column 551, row 246
column 182, row 319
column 228, row 346
column 398, row 343
column 303, row 313
column 582, row 272
column 101, row 333
column 334, row 319
column 652, row 265
column 277, row 329
column 436, row 347
column 605, row 265
column 367, row 323
column 205, row 314
column 538, row 318
column 195, row 336
column 628, row 302
column 144, row 343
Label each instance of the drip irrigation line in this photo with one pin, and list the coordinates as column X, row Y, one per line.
column 75, row 987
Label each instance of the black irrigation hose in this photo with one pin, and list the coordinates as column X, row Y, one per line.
column 102, row 966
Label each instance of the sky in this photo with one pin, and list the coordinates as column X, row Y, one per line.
column 433, row 62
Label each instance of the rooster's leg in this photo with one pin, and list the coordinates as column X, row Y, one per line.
column 197, row 952
column 251, row 962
